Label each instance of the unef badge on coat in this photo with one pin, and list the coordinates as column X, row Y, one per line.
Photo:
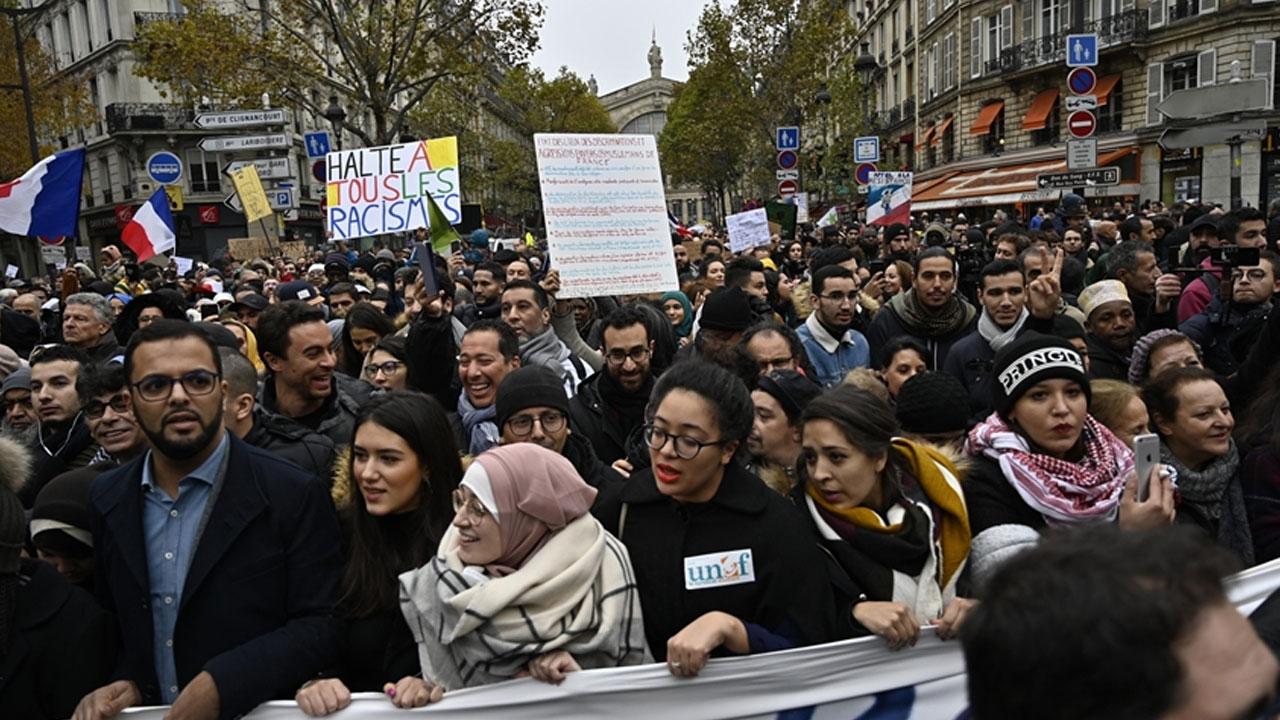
column 719, row 569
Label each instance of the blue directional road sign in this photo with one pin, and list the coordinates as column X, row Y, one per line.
column 789, row 138
column 866, row 149
column 1082, row 50
column 317, row 144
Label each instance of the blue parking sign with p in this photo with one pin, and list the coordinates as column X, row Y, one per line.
column 789, row 138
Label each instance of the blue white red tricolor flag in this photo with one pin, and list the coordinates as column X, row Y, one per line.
column 889, row 198
column 46, row 199
column 677, row 228
column 151, row 230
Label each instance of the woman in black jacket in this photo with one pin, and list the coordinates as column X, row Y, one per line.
column 723, row 564
column 404, row 469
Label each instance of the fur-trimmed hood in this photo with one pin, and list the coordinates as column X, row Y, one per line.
column 15, row 464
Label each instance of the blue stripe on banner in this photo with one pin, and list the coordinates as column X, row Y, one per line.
column 891, row 705
column 804, row 713
column 57, row 207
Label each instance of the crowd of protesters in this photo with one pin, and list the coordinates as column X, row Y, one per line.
column 307, row 477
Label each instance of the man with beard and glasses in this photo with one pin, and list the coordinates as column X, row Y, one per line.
column 19, row 413
column 220, row 561
column 610, row 404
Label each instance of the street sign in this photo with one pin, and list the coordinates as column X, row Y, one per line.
column 1215, row 134
column 1082, row 50
column 1081, row 124
column 788, row 138
column 241, row 118
column 863, row 173
column 317, row 171
column 866, row 149
column 788, row 187
column 1081, row 102
column 244, row 142
column 268, row 168
column 53, row 254
column 1221, row 99
column 282, row 198
column 1083, row 178
column 174, row 194
column 290, row 215
column 317, row 144
column 164, row 168
column 1082, row 154
column 788, row 174
column 787, row 159
column 233, row 201
column 1081, row 81
column 56, row 240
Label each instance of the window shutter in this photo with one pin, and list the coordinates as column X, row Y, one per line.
column 1262, row 64
column 1028, row 20
column 975, row 47
column 1207, row 68
column 1155, row 13
column 1208, row 6
column 1155, row 93
column 937, row 76
column 1127, row 5
column 1006, row 27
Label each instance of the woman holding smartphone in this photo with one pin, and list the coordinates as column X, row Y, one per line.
column 1041, row 460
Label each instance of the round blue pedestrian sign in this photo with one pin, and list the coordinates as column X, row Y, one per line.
column 1081, row 81
column 863, row 173
column 165, row 168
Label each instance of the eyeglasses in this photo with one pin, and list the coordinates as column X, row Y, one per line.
column 1255, row 275
column 95, row 409
column 839, row 298
column 388, row 368
column 154, row 388
column 618, row 357
column 687, row 447
column 550, row 421
column 476, row 511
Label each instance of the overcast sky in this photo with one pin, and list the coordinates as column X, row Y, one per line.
column 610, row 38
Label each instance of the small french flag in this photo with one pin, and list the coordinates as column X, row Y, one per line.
column 46, row 199
column 676, row 227
column 151, row 229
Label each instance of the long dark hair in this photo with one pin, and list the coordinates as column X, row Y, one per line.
column 866, row 421
column 374, row 557
column 365, row 316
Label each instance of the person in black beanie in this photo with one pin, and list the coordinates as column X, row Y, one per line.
column 532, row 406
column 932, row 407
column 60, row 524
column 774, row 442
column 725, row 315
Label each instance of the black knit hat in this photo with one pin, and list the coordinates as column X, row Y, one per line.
column 727, row 309
column 60, row 516
column 1028, row 360
column 792, row 390
column 933, row 403
column 532, row 386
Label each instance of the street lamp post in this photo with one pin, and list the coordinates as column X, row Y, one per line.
column 335, row 115
column 823, row 98
column 866, row 66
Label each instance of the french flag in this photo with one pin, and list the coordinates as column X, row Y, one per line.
column 151, row 229
column 676, row 227
column 46, row 199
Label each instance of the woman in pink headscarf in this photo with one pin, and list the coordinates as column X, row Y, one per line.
column 525, row 580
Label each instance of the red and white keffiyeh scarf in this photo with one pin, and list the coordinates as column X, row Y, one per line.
column 1064, row 492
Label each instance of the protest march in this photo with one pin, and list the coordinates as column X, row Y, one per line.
column 487, row 394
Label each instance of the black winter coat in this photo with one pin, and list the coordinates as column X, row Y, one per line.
column 746, row 529
column 292, row 441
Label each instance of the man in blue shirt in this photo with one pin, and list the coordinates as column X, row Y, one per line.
column 220, row 561
column 833, row 346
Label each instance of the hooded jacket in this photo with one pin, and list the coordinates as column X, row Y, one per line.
column 340, row 408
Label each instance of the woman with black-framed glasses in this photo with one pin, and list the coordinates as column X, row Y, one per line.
column 723, row 563
column 387, row 365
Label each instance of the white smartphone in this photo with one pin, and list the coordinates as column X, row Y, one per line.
column 1146, row 455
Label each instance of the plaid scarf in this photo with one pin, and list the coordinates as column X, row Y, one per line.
column 1064, row 492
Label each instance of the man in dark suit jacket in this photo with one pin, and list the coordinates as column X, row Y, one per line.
column 220, row 561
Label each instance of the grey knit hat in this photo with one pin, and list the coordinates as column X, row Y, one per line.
column 1140, row 363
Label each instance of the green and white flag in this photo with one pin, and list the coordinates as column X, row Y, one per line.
column 831, row 217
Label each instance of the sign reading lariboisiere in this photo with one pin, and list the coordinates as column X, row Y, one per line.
column 372, row 191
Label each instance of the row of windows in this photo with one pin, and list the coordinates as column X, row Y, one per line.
column 81, row 28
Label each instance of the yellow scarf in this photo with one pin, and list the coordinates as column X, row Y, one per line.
column 925, row 464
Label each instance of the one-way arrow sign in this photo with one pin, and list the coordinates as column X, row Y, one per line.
column 1216, row 134
column 1079, row 178
column 241, row 118
column 1210, row 100
column 244, row 142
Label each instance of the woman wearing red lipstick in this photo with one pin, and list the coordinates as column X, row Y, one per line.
column 1041, row 460
column 1191, row 414
column 404, row 468
column 890, row 512
column 724, row 565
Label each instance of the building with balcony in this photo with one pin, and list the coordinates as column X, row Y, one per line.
column 641, row 109
column 989, row 98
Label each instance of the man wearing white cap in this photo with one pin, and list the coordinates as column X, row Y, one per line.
column 1110, row 322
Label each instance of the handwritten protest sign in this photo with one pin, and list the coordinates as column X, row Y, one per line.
column 372, row 191
column 292, row 249
column 748, row 229
column 248, row 248
column 184, row 264
column 11, row 271
column 252, row 196
column 606, row 214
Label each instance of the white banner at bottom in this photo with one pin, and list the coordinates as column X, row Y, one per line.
column 857, row 679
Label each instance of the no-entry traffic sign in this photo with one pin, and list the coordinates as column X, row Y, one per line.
column 1081, row 81
column 1081, row 124
column 788, row 187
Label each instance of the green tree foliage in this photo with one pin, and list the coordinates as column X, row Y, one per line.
column 384, row 59
column 756, row 65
